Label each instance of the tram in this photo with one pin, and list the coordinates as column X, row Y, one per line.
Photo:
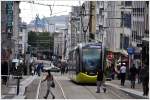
column 84, row 61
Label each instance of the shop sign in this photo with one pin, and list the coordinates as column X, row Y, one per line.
column 9, row 12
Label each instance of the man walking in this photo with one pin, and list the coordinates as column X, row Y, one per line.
column 123, row 73
column 133, row 72
column 144, row 75
column 100, row 81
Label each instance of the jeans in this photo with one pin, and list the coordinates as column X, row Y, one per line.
column 123, row 77
column 99, row 84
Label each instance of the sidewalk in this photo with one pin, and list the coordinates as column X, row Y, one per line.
column 10, row 91
column 138, row 91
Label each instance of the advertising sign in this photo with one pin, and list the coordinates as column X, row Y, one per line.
column 9, row 12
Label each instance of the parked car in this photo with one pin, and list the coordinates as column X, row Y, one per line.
column 55, row 69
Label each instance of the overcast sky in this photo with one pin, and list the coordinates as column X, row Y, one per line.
column 29, row 10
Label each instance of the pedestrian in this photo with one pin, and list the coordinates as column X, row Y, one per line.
column 144, row 77
column 38, row 69
column 42, row 66
column 138, row 74
column 49, row 78
column 62, row 68
column 133, row 72
column 100, row 81
column 4, row 71
column 35, row 68
column 123, row 73
column 112, row 72
column 32, row 70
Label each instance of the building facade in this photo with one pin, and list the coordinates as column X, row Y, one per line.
column 23, row 38
column 145, row 39
column 58, row 44
column 9, row 33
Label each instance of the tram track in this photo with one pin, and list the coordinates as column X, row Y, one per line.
column 111, row 93
column 60, row 86
column 90, row 91
column 63, row 90
column 56, row 83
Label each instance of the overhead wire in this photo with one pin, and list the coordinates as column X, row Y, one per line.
column 47, row 4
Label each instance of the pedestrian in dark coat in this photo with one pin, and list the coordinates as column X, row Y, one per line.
column 100, row 81
column 138, row 73
column 144, row 77
column 4, row 71
column 133, row 72
column 39, row 69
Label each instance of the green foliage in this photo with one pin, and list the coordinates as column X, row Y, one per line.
column 42, row 40
column 32, row 38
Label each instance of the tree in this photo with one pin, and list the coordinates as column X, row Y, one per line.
column 32, row 39
column 41, row 40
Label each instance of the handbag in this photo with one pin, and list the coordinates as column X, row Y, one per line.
column 53, row 84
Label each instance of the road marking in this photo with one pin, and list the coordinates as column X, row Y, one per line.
column 38, row 89
column 61, row 89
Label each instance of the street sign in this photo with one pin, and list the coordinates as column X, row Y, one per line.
column 130, row 51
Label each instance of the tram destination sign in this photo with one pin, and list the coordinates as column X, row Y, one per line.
column 98, row 46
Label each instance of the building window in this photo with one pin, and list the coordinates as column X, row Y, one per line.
column 128, row 3
column 135, row 10
column 122, row 13
column 127, row 20
column 20, row 29
column 20, row 45
column 121, row 38
column 126, row 42
column 122, row 3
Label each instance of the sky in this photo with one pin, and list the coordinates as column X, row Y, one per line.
column 29, row 10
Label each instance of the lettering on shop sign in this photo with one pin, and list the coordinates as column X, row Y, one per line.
column 9, row 12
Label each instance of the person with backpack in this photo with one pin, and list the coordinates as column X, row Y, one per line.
column 50, row 83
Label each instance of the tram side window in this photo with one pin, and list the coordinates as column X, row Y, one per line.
column 77, row 61
column 74, row 61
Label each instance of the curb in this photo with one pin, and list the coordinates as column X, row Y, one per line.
column 23, row 86
column 131, row 92
column 135, row 95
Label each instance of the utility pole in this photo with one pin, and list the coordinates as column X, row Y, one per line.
column 92, row 19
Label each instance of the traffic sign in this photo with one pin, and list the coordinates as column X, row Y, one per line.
column 130, row 50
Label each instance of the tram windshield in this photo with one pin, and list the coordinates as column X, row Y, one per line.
column 91, row 58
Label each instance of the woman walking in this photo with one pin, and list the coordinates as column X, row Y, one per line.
column 50, row 80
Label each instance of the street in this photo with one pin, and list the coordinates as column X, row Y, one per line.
column 83, row 44
column 66, row 89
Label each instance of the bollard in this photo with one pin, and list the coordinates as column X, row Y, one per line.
column 18, row 84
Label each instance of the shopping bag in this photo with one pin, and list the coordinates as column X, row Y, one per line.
column 53, row 84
